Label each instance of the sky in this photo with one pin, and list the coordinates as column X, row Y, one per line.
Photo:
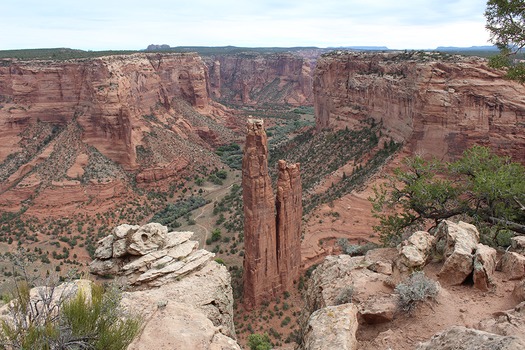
column 134, row 24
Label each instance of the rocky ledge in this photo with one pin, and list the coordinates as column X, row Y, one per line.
column 179, row 290
column 357, row 294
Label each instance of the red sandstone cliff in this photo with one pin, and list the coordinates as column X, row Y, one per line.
column 289, row 216
column 251, row 78
column 261, row 277
column 438, row 106
column 272, row 239
column 69, row 123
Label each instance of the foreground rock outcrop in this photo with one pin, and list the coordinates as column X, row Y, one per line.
column 333, row 327
column 272, row 241
column 182, row 294
column 464, row 256
column 148, row 255
column 470, row 287
column 438, row 105
column 462, row 338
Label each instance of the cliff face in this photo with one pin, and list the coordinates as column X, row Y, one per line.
column 69, row 123
column 251, row 79
column 272, row 240
column 106, row 96
column 438, row 106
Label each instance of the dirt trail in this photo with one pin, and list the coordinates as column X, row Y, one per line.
column 203, row 216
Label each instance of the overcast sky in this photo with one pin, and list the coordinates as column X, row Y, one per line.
column 134, row 24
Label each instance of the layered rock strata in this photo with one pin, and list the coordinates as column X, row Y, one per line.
column 107, row 96
column 178, row 290
column 148, row 255
column 251, row 78
column 437, row 105
column 289, row 215
column 272, row 240
column 71, row 132
column 261, row 276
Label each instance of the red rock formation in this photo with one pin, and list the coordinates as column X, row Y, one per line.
column 272, row 242
column 251, row 78
column 261, row 277
column 289, row 216
column 137, row 110
column 437, row 106
column 106, row 95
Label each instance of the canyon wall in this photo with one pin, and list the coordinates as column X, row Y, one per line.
column 254, row 78
column 107, row 96
column 85, row 122
column 272, row 238
column 439, row 105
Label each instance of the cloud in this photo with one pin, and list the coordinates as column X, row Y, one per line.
column 134, row 24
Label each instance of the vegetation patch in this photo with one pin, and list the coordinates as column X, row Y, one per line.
column 231, row 155
column 173, row 211
column 485, row 189
column 416, row 289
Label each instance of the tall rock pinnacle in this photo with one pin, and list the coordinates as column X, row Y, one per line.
column 271, row 240
column 261, row 279
column 289, row 215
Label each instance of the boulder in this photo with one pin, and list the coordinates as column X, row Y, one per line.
column 460, row 243
column 378, row 309
column 518, row 244
column 124, row 230
column 338, row 273
column 332, row 327
column 119, row 248
column 461, row 338
column 484, row 266
column 104, row 267
column 147, row 238
column 105, row 248
column 148, row 255
column 461, row 236
column 506, row 323
column 519, row 291
column 513, row 265
column 207, row 292
column 413, row 255
column 380, row 260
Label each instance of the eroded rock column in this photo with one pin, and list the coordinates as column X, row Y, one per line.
column 289, row 215
column 261, row 277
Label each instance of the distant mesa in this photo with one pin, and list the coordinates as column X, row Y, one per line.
column 155, row 47
column 463, row 49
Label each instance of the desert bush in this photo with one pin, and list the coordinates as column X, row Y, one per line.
column 480, row 185
column 94, row 321
column 415, row 289
column 259, row 342
column 345, row 296
column 355, row 249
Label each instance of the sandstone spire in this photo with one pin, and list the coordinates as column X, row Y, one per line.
column 272, row 240
column 261, row 278
column 289, row 215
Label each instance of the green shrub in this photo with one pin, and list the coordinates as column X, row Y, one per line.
column 82, row 322
column 215, row 235
column 345, row 296
column 286, row 321
column 259, row 341
column 415, row 289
